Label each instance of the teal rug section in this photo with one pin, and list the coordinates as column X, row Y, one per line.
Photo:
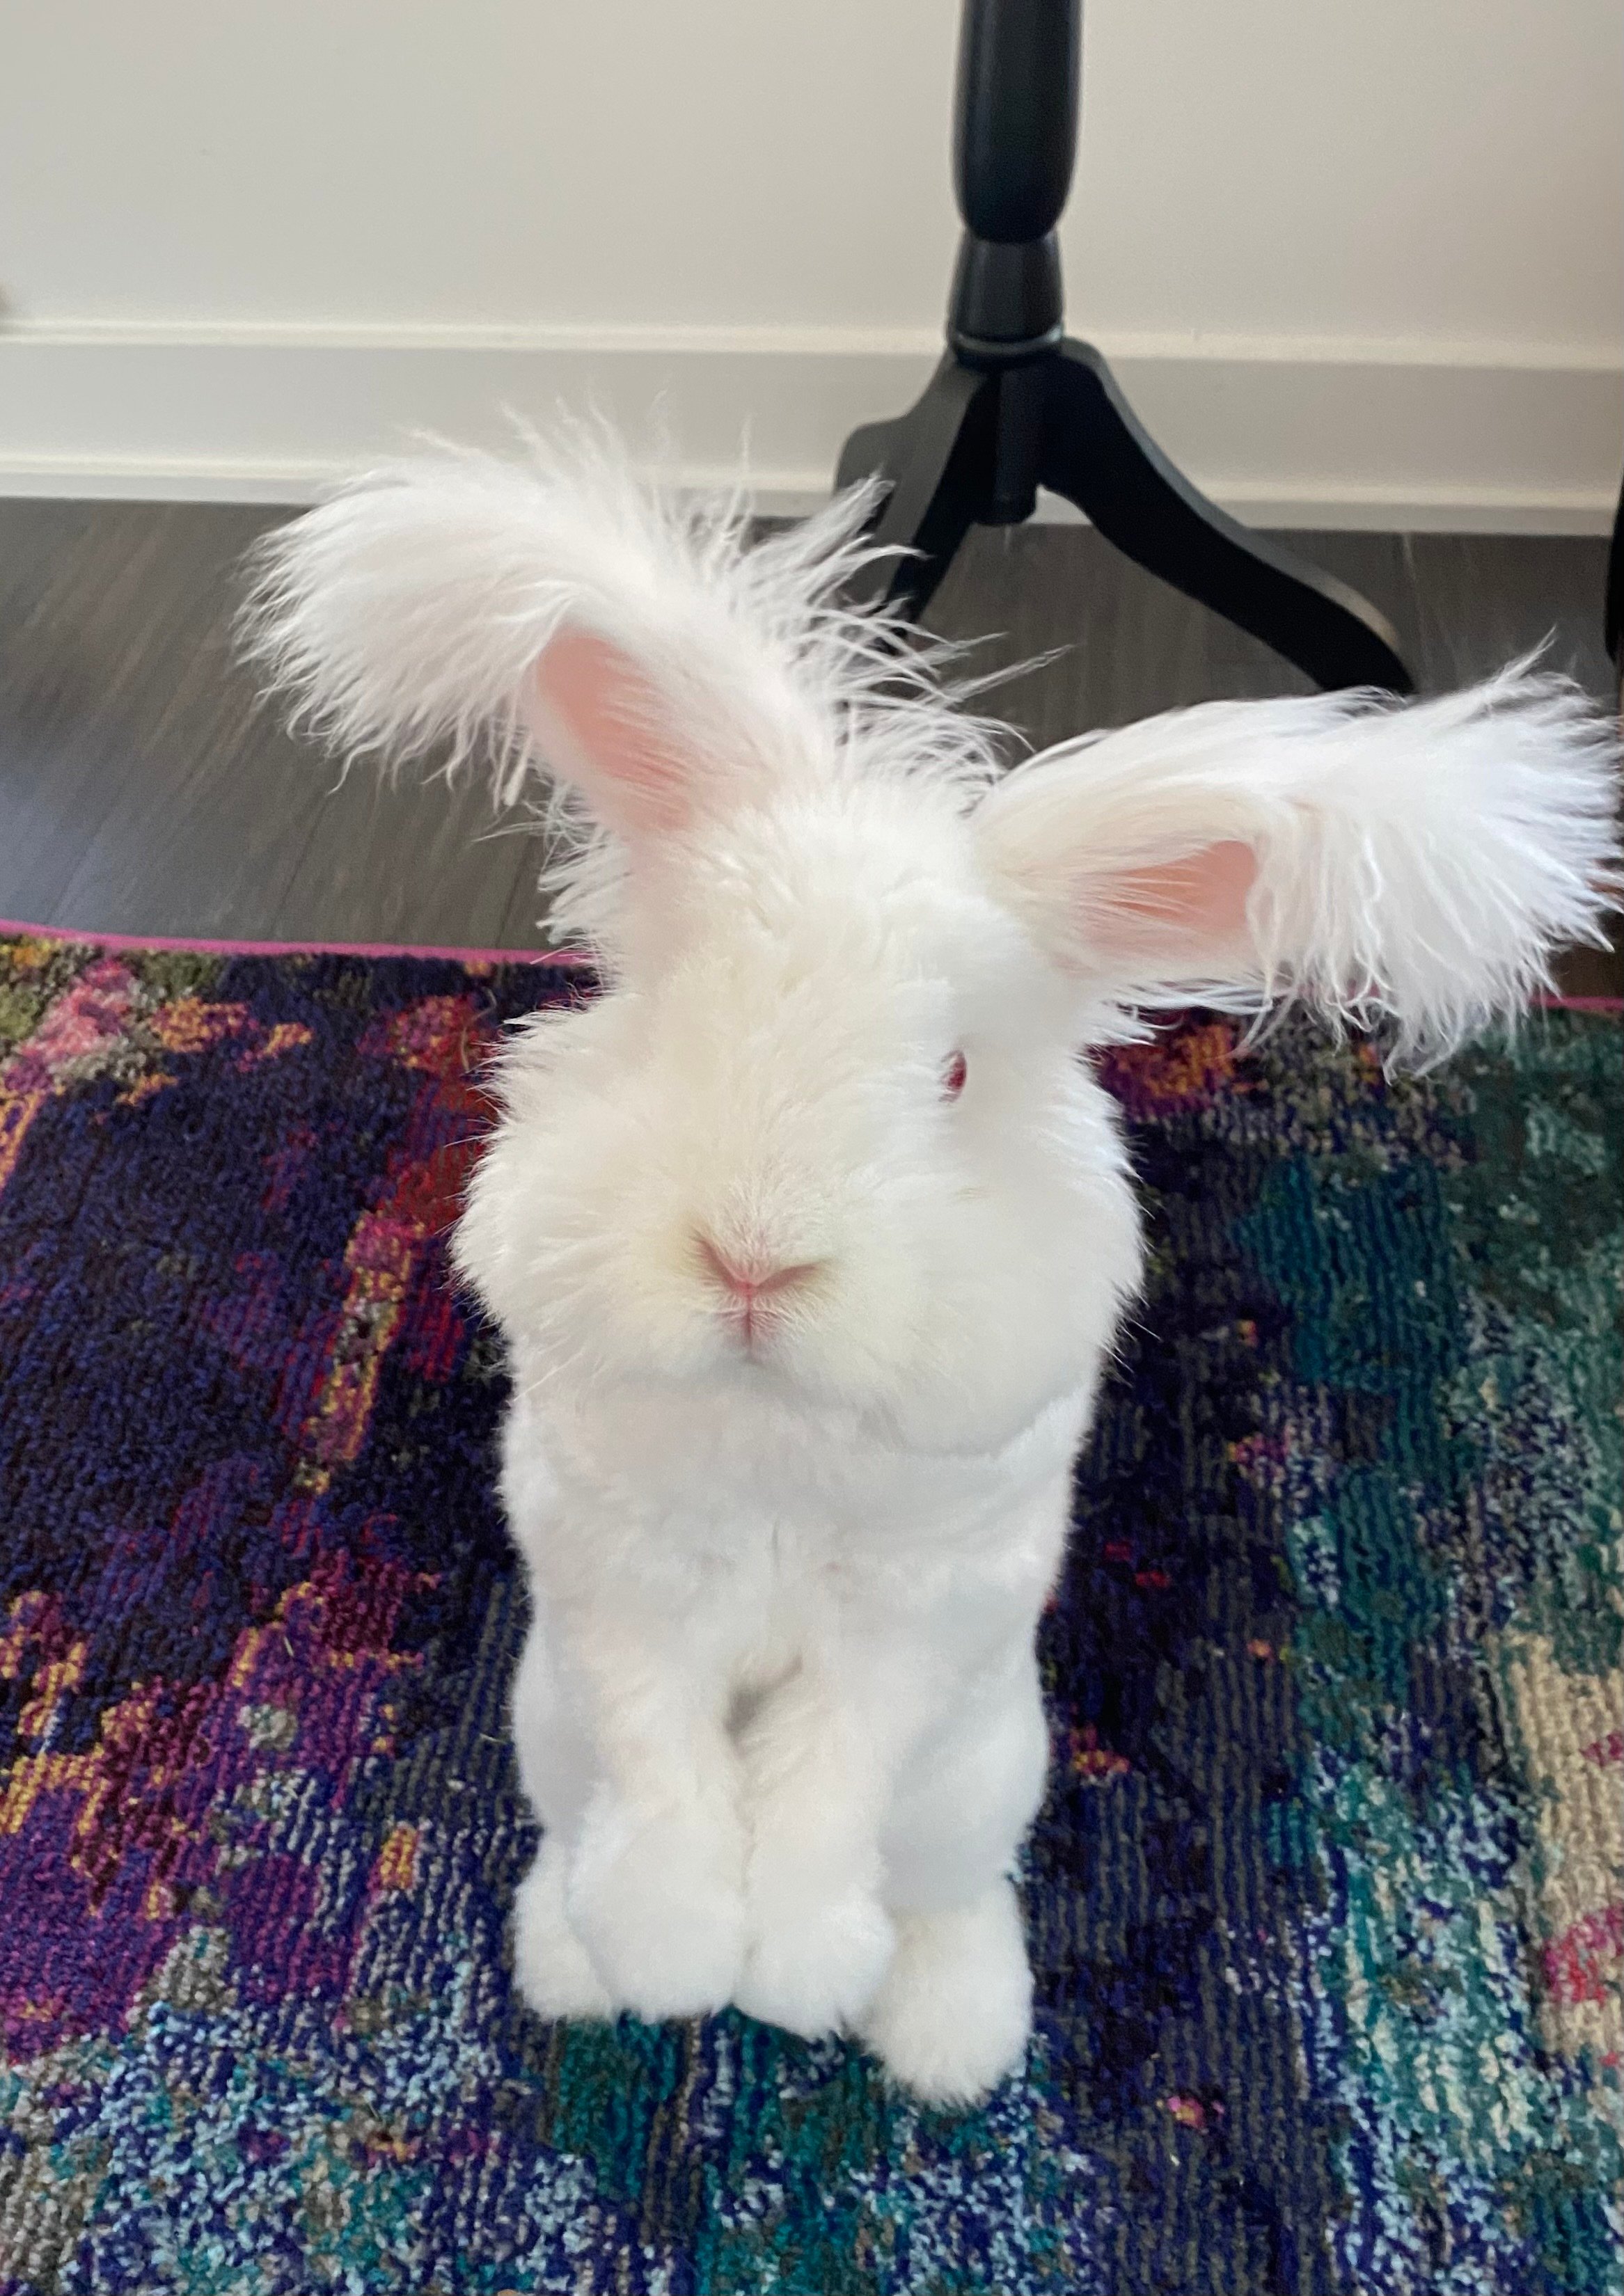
column 1454, row 1278
column 1326, row 1900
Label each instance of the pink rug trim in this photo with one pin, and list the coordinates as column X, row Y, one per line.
column 293, row 948
column 466, row 956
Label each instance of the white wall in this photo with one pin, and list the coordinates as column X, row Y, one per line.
column 1356, row 260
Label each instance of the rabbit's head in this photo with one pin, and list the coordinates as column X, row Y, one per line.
column 827, row 1132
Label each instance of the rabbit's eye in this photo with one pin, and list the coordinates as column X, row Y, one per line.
column 954, row 1072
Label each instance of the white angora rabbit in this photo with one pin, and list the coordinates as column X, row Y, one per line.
column 809, row 1237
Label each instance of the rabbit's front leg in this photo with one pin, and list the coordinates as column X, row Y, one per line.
column 818, row 1760
column 654, row 1885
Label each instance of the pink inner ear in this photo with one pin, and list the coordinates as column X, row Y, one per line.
column 600, row 718
column 1193, row 908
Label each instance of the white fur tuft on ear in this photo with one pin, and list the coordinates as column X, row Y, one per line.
column 558, row 611
column 425, row 604
column 1416, row 863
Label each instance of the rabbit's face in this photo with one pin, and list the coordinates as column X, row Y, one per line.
column 831, row 1139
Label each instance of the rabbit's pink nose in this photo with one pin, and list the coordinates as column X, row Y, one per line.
column 753, row 1280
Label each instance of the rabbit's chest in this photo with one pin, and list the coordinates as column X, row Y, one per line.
column 757, row 1535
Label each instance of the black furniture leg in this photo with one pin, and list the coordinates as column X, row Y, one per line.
column 1098, row 456
column 1015, row 405
column 937, row 460
column 1613, row 619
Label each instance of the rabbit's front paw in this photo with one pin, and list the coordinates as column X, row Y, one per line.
column 551, row 1967
column 659, row 1904
column 953, row 2014
column 815, row 1968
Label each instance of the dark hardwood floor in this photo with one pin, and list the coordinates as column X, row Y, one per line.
column 143, row 789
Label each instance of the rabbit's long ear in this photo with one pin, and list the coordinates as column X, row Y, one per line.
column 1420, row 862
column 551, row 608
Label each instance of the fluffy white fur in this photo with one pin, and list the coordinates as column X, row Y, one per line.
column 1410, row 865
column 778, row 1710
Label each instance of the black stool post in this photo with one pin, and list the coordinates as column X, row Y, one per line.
column 1015, row 405
column 1014, row 145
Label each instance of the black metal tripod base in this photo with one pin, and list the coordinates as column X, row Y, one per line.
column 974, row 448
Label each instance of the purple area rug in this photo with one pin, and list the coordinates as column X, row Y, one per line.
column 1327, row 1899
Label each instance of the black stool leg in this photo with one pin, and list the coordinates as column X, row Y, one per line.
column 937, row 458
column 1096, row 454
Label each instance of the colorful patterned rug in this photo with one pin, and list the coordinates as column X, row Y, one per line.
column 1327, row 1902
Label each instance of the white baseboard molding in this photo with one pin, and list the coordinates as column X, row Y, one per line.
column 1283, row 432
